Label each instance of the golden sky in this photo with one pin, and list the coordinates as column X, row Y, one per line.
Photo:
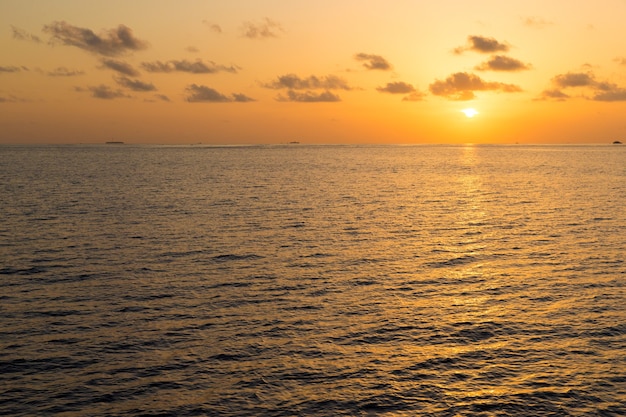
column 325, row 71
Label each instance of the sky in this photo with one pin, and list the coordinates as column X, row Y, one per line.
column 325, row 71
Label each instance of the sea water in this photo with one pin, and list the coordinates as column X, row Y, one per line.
column 313, row 280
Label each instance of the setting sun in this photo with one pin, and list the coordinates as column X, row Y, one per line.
column 470, row 112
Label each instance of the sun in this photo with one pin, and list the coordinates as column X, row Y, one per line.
column 470, row 112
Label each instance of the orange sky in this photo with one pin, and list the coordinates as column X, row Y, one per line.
column 239, row 72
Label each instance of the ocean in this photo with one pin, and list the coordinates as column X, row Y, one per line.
column 294, row 280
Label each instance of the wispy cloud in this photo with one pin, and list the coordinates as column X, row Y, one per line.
column 620, row 60
column 502, row 63
column 13, row 68
column 110, row 42
column 203, row 94
column 162, row 97
column 482, row 45
column 309, row 97
column 570, row 79
column 267, row 28
column 213, row 26
column 294, row 82
column 461, row 86
column 119, row 66
column 103, row 92
column 194, row 67
column 22, row 35
column 536, row 22
column 64, row 72
column 373, row 62
column 135, row 85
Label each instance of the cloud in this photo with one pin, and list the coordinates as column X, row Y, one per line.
column 535, row 22
column 192, row 49
column 22, row 35
column 64, row 72
column 401, row 87
column 554, row 94
column 482, row 45
column 162, row 97
column 214, row 27
column 599, row 90
column 135, row 85
column 414, row 96
column 373, row 62
column 461, row 86
column 294, row 82
column 620, row 60
column 309, row 97
column 13, row 68
column 502, row 63
column 397, row 88
column 266, row 29
column 574, row 80
column 110, row 42
column 614, row 94
column 194, row 67
column 119, row 66
column 103, row 92
column 202, row 93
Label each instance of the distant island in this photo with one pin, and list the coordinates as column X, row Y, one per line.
column 114, row 142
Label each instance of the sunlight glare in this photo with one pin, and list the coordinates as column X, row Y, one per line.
column 470, row 112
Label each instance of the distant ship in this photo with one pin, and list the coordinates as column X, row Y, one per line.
column 617, row 142
column 114, row 142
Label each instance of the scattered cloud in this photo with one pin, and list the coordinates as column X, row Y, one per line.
column 22, row 35
column 536, row 22
column 64, row 72
column 401, row 87
column 214, row 27
column 294, row 82
column 309, row 97
column 119, row 66
column 202, row 93
column 554, row 94
column 13, row 68
column 192, row 49
column 414, row 96
column 574, row 80
column 373, row 62
column 263, row 30
column 162, row 97
column 397, row 88
column 135, row 85
column 103, row 92
column 620, row 60
column 110, row 42
column 461, row 86
column 194, row 67
column 12, row 99
column 482, row 45
column 599, row 90
column 502, row 63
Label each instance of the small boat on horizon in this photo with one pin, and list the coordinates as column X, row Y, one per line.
column 617, row 142
column 114, row 142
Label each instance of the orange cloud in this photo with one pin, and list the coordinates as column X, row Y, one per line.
column 110, row 42
column 461, row 86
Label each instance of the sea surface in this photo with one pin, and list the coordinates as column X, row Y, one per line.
column 304, row 280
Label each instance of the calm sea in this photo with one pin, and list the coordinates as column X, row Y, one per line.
column 313, row 280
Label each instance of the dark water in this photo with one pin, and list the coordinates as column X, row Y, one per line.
column 322, row 280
